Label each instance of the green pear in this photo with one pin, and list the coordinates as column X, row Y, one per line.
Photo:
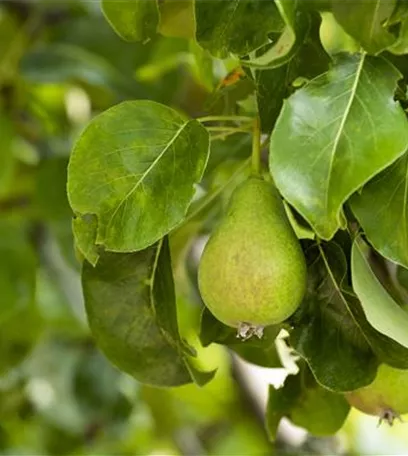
column 252, row 272
column 386, row 396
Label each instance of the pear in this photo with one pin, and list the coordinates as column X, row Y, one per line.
column 252, row 272
column 386, row 397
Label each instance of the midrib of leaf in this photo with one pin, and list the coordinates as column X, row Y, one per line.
column 282, row 11
column 228, row 22
column 342, row 126
column 340, row 293
column 146, row 173
column 404, row 206
column 377, row 5
column 151, row 280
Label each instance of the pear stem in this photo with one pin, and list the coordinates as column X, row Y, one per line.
column 256, row 148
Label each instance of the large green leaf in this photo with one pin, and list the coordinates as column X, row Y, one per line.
column 19, row 318
column 275, row 84
column 131, row 309
column 135, row 167
column 331, row 330
column 307, row 404
column 364, row 20
column 235, row 26
column 381, row 209
column 297, row 26
column 332, row 137
column 382, row 312
column 132, row 20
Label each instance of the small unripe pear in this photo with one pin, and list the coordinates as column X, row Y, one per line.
column 386, row 397
column 252, row 272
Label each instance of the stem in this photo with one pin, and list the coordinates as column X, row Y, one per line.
column 224, row 118
column 214, row 195
column 256, row 148
column 233, row 129
column 223, row 135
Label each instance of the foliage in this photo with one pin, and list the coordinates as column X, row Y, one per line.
column 124, row 129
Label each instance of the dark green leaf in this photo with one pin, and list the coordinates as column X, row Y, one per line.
column 276, row 84
column 364, row 20
column 235, row 26
column 280, row 402
column 132, row 314
column 135, row 167
column 382, row 312
column 319, row 154
column 381, row 209
column 332, row 332
column 325, row 331
column 297, row 25
column 320, row 411
column 132, row 20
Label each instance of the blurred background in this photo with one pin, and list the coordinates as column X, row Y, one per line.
column 61, row 64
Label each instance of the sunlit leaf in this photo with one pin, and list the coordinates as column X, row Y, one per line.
column 297, row 26
column 364, row 20
column 382, row 312
column 321, row 152
column 132, row 20
column 135, row 167
column 381, row 209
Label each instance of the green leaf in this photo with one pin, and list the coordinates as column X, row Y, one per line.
column 276, row 84
column 332, row 332
column 297, row 27
column 334, row 39
column 132, row 20
column 382, row 312
column 302, row 400
column 20, row 322
column 280, row 402
column 321, row 152
column 135, row 167
column 177, row 18
column 325, row 331
column 261, row 352
column 131, row 309
column 381, row 209
column 235, row 26
column 364, row 20
column 85, row 229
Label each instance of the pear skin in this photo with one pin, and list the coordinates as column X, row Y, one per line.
column 386, row 397
column 252, row 272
